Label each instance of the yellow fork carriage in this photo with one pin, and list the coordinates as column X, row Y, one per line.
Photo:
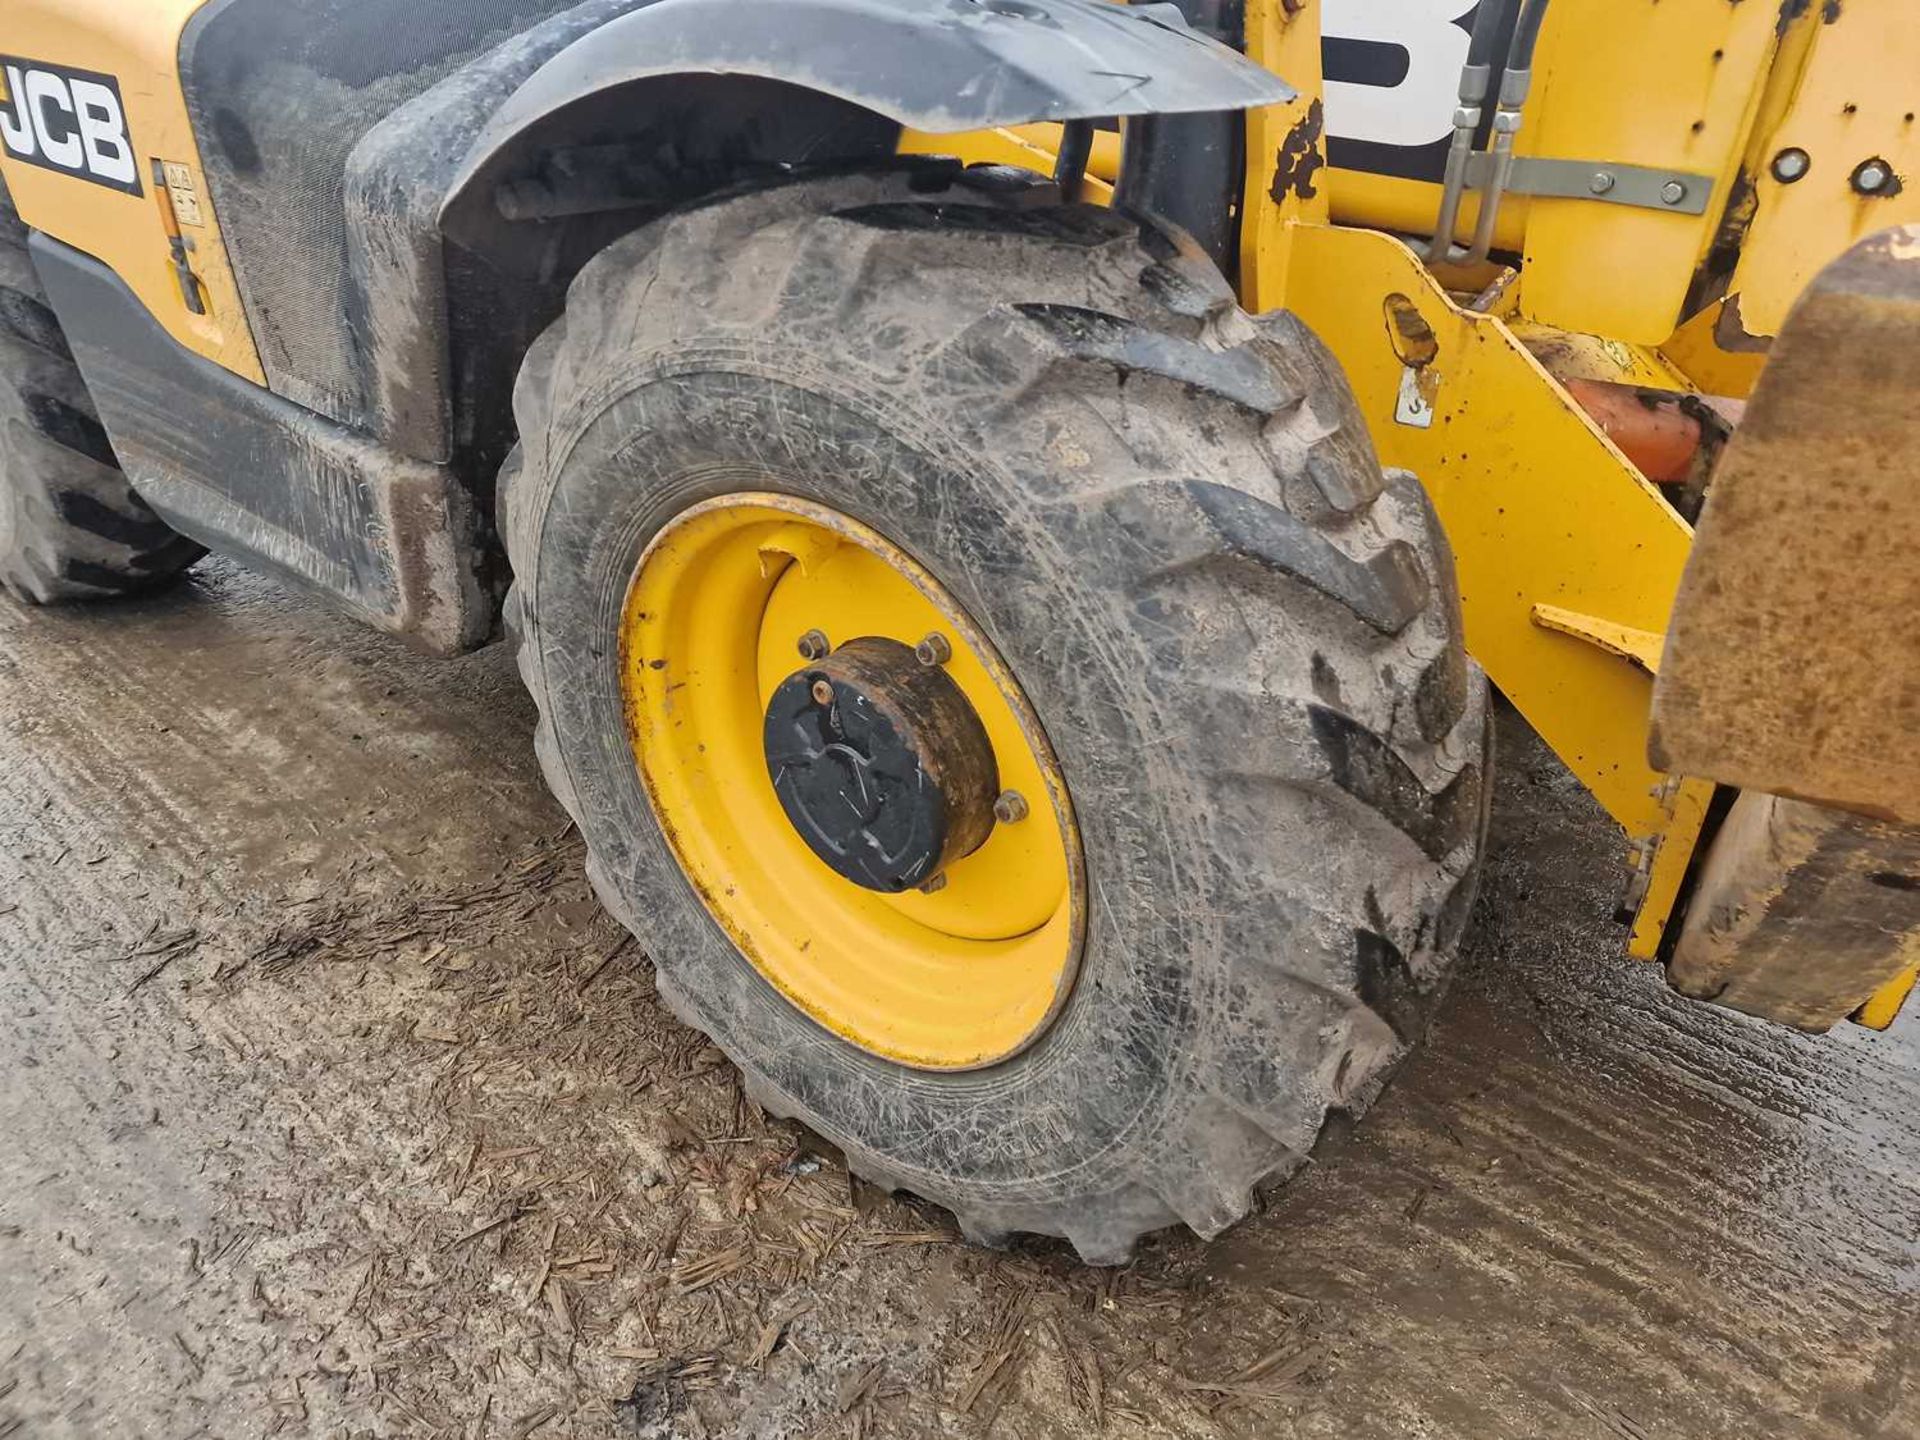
column 999, row 495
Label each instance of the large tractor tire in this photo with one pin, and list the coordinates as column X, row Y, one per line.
column 780, row 438
column 71, row 526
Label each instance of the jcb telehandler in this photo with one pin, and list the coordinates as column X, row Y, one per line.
column 927, row 458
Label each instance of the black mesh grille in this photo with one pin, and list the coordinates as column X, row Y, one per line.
column 280, row 94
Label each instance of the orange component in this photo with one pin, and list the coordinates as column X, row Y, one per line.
column 1650, row 428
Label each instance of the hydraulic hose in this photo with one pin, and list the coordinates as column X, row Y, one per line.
column 1515, row 81
column 1525, row 36
column 1475, row 77
column 1487, row 21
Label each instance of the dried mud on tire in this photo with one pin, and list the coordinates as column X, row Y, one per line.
column 1253, row 680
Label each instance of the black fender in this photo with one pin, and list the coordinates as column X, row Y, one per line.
column 369, row 168
column 942, row 66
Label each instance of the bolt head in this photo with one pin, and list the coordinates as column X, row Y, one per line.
column 1870, row 177
column 1673, row 192
column 934, row 885
column 823, row 691
column 1601, row 182
column 936, row 649
column 814, row 645
column 1791, row 164
column 1010, row 808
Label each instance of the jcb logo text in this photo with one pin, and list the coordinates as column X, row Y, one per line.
column 71, row 121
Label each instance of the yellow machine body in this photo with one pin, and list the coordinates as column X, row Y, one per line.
column 1569, row 560
column 1670, row 89
column 127, row 229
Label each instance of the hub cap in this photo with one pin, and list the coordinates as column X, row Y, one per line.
column 881, row 764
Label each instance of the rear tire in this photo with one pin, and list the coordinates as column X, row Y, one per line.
column 1243, row 645
column 71, row 526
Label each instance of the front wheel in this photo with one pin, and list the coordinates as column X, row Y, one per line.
column 996, row 683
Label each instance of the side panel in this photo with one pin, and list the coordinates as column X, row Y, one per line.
column 1559, row 543
column 1567, row 559
column 1855, row 104
column 135, row 44
column 281, row 94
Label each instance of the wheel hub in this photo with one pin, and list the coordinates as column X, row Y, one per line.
column 881, row 764
column 883, row 833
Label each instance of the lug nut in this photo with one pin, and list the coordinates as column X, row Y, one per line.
column 1791, row 164
column 814, row 645
column 936, row 649
column 934, row 885
column 823, row 691
column 1010, row 808
column 1871, row 177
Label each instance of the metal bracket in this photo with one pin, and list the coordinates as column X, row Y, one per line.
column 1640, row 648
column 1640, row 186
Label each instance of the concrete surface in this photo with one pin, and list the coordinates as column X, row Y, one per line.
column 330, row 1105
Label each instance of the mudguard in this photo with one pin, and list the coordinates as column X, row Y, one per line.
column 341, row 146
column 943, row 66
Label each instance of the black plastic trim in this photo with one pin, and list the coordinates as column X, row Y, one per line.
column 395, row 541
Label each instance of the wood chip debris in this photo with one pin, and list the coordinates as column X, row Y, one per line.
column 506, row 1217
column 619, row 948
column 1004, row 1343
column 771, row 1333
column 858, row 1388
column 1271, row 1377
column 1418, row 1204
column 698, row 1274
column 1617, row 1421
column 1086, row 1387
column 163, row 950
column 879, row 1239
column 531, row 1421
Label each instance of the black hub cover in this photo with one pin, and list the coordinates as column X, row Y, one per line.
column 881, row 764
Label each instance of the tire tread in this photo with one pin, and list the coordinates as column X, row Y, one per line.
column 1130, row 335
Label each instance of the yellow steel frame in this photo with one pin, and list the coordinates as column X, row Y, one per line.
column 1568, row 559
column 1881, row 1011
column 1542, row 511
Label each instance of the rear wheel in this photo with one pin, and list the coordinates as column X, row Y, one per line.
column 71, row 526
column 1197, row 660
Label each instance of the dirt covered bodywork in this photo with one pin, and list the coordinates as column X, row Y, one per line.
column 1790, row 665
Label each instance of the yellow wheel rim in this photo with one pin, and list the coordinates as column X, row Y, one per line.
column 952, row 979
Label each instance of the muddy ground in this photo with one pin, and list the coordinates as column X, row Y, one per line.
column 331, row 1105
